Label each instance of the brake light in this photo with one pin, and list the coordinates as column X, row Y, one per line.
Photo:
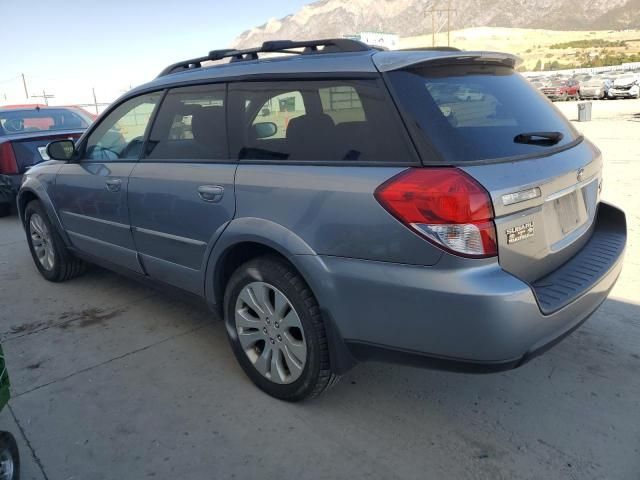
column 444, row 205
column 8, row 163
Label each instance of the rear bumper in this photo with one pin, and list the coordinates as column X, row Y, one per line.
column 475, row 318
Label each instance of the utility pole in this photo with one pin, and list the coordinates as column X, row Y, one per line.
column 435, row 10
column 24, row 84
column 45, row 96
column 95, row 101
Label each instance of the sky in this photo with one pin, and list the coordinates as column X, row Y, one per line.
column 68, row 47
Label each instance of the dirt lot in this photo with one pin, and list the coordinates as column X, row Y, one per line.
column 112, row 380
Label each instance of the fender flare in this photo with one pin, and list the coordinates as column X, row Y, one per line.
column 34, row 187
column 299, row 254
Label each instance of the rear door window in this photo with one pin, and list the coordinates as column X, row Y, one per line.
column 464, row 113
column 306, row 121
column 190, row 125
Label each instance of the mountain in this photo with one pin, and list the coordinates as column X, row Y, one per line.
column 334, row 18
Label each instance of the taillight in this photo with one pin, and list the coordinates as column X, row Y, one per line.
column 444, row 205
column 8, row 163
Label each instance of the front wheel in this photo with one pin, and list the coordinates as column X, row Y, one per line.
column 49, row 252
column 276, row 330
column 9, row 457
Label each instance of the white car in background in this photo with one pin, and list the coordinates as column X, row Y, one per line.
column 626, row 86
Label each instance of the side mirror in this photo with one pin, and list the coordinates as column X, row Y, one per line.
column 61, row 150
column 265, row 129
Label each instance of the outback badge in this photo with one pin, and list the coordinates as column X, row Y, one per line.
column 520, row 232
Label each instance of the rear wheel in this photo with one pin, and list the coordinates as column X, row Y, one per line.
column 276, row 331
column 9, row 457
column 49, row 253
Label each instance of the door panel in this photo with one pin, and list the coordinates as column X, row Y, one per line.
column 173, row 225
column 91, row 194
column 94, row 212
column 181, row 194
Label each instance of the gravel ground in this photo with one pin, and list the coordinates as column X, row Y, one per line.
column 112, row 380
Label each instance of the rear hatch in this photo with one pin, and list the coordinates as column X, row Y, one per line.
column 478, row 114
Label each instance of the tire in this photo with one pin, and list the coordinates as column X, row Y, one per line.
column 285, row 353
column 9, row 457
column 5, row 209
column 56, row 264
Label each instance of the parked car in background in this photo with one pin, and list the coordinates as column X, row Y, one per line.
column 25, row 131
column 562, row 90
column 345, row 204
column 625, row 86
column 595, row 88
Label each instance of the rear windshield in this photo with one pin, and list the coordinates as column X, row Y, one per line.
column 39, row 120
column 476, row 112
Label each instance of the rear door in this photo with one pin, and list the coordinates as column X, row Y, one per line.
column 91, row 194
column 543, row 177
column 181, row 194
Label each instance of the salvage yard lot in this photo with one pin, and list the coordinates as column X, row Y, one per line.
column 113, row 380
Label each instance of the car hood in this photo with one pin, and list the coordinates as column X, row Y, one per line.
column 623, row 83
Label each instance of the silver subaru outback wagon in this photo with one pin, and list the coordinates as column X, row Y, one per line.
column 338, row 203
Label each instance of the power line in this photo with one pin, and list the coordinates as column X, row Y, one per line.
column 45, row 96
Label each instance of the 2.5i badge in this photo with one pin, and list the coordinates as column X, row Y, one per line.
column 520, row 232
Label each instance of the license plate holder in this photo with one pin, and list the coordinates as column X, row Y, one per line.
column 568, row 212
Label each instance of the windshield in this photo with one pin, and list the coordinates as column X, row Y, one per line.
column 477, row 112
column 39, row 120
column 626, row 78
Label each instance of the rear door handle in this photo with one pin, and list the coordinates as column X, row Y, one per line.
column 113, row 185
column 211, row 193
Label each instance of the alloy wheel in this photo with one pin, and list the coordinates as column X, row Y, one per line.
column 270, row 332
column 42, row 242
column 6, row 464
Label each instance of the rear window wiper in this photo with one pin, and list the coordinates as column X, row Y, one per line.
column 539, row 138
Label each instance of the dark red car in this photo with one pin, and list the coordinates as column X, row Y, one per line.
column 25, row 131
column 562, row 90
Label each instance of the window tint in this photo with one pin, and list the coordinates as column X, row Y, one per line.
column 340, row 120
column 120, row 135
column 190, row 125
column 475, row 112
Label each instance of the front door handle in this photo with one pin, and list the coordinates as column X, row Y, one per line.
column 211, row 193
column 113, row 185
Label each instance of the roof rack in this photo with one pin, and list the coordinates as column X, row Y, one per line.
column 331, row 45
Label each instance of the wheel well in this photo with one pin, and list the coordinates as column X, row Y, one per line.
column 24, row 200
column 233, row 258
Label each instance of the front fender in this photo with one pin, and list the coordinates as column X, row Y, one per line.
column 38, row 184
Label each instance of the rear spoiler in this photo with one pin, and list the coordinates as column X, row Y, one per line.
column 389, row 61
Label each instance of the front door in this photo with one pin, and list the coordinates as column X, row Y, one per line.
column 181, row 193
column 91, row 193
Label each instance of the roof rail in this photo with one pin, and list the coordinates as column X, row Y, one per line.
column 430, row 49
column 331, row 45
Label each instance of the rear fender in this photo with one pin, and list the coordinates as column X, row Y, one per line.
column 299, row 254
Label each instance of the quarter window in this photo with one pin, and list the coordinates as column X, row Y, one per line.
column 190, row 125
column 120, row 135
